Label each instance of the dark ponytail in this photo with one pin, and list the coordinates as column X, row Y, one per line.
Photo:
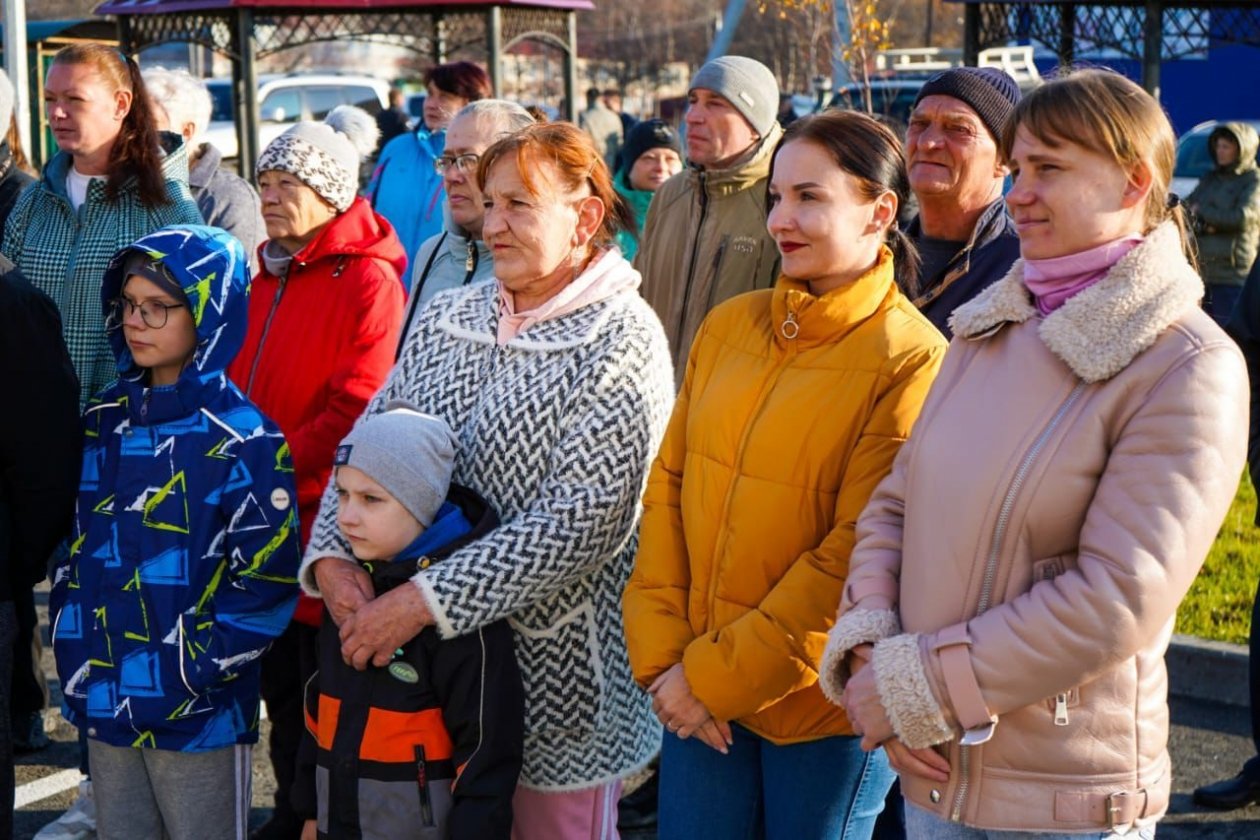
column 135, row 152
column 868, row 150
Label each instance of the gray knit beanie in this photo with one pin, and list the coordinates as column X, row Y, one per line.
column 747, row 84
column 325, row 155
column 990, row 92
column 409, row 453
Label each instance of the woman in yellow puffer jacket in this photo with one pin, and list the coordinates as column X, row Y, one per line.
column 794, row 403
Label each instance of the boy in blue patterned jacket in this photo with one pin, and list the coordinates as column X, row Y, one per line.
column 184, row 554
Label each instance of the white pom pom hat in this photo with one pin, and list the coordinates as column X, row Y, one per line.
column 325, row 155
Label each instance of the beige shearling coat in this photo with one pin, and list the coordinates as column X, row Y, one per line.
column 1056, row 499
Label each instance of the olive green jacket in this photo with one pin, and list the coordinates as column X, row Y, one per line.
column 705, row 241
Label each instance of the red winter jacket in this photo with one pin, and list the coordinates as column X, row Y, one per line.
column 320, row 343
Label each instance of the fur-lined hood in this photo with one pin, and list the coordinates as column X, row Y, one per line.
column 1098, row 332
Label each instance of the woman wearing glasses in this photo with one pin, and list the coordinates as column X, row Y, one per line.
column 324, row 313
column 457, row 256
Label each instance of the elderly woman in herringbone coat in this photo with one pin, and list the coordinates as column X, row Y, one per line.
column 556, row 379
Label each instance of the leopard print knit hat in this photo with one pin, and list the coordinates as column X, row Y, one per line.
column 325, row 155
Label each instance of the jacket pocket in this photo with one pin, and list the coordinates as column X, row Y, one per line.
column 562, row 671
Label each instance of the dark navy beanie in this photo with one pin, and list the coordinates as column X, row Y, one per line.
column 645, row 136
column 990, row 92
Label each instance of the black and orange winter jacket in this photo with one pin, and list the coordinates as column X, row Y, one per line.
column 428, row 746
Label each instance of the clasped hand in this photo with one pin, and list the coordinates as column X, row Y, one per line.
column 683, row 714
column 371, row 628
column 869, row 719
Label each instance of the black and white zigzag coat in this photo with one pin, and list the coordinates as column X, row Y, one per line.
column 557, row 430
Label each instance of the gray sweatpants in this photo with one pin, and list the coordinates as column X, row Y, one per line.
column 167, row 795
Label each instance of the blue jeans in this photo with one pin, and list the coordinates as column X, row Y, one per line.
column 923, row 825
column 825, row 789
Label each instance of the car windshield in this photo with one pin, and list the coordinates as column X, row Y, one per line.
column 895, row 102
column 221, row 96
column 1193, row 158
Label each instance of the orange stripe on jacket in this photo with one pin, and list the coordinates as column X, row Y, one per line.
column 393, row 736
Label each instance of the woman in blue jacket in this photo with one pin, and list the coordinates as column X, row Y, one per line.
column 184, row 552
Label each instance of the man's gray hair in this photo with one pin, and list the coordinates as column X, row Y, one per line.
column 507, row 117
column 184, row 98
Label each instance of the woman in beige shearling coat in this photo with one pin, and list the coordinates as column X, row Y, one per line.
column 1019, row 570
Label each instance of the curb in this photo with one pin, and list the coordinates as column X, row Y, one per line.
column 1211, row 671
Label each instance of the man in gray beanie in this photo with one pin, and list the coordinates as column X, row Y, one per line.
column 965, row 237
column 705, row 238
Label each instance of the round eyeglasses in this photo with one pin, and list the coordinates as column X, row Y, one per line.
column 465, row 163
column 154, row 313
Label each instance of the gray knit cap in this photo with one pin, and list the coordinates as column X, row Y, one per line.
column 325, row 155
column 747, row 84
column 409, row 453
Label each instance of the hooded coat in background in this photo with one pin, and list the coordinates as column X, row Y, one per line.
column 407, row 190
column 227, row 200
column 1227, row 199
column 449, row 260
column 183, row 558
column 705, row 241
column 64, row 253
column 320, row 342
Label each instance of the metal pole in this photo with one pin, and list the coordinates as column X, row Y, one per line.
column 1067, row 34
column 494, row 47
column 15, row 66
column 730, row 22
column 245, row 83
column 1152, row 42
column 840, row 37
column 971, row 34
column 571, row 68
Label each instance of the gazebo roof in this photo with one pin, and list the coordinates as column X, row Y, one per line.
column 154, row 7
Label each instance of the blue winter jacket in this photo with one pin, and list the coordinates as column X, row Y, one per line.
column 406, row 189
column 185, row 547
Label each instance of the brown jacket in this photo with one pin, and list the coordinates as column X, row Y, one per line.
column 704, row 242
column 1056, row 499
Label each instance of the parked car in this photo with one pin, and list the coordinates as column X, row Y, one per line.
column 285, row 100
column 899, row 74
column 1194, row 159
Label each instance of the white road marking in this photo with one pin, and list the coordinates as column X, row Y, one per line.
column 43, row 788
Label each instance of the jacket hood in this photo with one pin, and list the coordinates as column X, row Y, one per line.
column 174, row 164
column 209, row 265
column 358, row 232
column 1099, row 331
column 1246, row 138
column 741, row 176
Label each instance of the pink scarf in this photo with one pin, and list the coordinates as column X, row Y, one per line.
column 1053, row 281
column 603, row 278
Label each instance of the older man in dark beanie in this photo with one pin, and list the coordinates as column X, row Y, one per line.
column 705, row 239
column 966, row 239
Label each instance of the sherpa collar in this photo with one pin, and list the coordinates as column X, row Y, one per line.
column 1099, row 331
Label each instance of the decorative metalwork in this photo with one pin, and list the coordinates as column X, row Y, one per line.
column 542, row 25
column 208, row 29
column 1187, row 30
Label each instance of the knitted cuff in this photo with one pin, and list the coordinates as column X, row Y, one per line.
column 853, row 628
column 907, row 696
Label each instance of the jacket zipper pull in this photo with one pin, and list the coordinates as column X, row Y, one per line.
column 1060, row 710
column 422, row 777
column 790, row 329
column 470, row 261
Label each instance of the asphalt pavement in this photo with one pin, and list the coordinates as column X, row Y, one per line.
column 1210, row 740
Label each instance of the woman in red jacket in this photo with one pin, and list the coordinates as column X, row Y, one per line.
column 324, row 315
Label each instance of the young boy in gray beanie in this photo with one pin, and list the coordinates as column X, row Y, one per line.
column 443, row 710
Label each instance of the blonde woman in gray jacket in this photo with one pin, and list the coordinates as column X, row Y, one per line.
column 1016, row 576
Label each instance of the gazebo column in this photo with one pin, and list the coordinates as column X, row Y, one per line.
column 971, row 34
column 245, row 87
column 494, row 47
column 571, row 69
column 1152, row 43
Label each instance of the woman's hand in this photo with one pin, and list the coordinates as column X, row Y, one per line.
column 866, row 710
column 682, row 714
column 927, row 762
column 309, row 830
column 379, row 627
column 345, row 586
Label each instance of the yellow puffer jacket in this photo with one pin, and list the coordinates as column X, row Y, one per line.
column 792, row 410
